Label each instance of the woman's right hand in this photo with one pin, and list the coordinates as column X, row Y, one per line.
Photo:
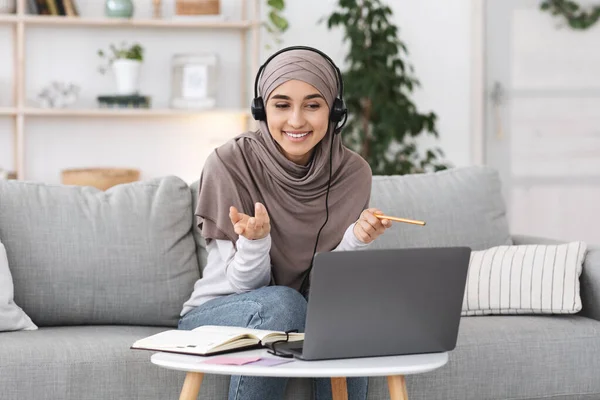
column 251, row 228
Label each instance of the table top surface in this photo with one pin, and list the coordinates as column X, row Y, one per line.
column 369, row 366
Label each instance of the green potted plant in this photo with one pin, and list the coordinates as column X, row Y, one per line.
column 383, row 124
column 125, row 62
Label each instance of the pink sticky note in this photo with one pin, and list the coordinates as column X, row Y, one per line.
column 224, row 360
column 269, row 362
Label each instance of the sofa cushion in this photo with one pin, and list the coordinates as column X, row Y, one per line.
column 96, row 362
column 515, row 357
column 79, row 255
column 497, row 358
column 461, row 207
column 525, row 279
column 82, row 362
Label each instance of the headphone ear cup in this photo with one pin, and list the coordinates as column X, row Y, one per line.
column 338, row 112
column 258, row 109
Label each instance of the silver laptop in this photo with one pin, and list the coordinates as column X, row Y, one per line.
column 383, row 302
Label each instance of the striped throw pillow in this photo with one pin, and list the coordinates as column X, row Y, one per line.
column 525, row 279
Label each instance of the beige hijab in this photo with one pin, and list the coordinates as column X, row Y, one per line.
column 251, row 168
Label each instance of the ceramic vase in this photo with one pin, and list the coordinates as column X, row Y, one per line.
column 127, row 76
column 118, row 8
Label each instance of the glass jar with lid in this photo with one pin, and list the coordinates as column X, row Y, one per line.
column 194, row 81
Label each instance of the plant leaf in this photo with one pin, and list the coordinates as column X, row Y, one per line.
column 280, row 22
column 276, row 4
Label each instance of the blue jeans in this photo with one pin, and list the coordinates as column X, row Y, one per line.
column 277, row 308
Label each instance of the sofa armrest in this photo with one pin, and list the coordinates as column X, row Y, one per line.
column 590, row 276
column 590, row 283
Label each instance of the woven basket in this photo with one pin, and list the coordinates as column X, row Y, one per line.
column 197, row 7
column 101, row 178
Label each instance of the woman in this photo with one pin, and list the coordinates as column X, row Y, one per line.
column 262, row 198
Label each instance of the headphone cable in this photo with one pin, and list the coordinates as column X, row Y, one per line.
column 303, row 286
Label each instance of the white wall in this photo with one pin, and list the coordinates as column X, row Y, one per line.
column 436, row 32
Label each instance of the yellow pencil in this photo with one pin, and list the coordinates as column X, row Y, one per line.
column 408, row 221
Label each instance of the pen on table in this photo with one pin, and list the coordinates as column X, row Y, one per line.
column 408, row 221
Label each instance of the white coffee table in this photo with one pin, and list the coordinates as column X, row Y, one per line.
column 394, row 367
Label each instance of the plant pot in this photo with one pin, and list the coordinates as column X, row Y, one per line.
column 127, row 76
column 8, row 6
column 118, row 8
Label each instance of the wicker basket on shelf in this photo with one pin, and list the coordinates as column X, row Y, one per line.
column 7, row 174
column 101, row 178
column 197, row 7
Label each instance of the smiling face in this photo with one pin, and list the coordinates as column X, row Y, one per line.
column 297, row 117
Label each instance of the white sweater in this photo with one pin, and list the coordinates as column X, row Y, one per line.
column 229, row 271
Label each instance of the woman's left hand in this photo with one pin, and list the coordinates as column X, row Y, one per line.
column 369, row 227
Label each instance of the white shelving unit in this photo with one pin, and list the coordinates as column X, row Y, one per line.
column 248, row 27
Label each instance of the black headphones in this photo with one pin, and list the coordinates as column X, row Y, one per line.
column 338, row 110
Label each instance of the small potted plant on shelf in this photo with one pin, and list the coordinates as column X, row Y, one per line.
column 125, row 62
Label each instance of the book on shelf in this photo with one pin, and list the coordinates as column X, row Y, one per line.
column 210, row 340
column 53, row 7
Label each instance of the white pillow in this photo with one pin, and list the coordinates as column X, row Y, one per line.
column 525, row 279
column 12, row 317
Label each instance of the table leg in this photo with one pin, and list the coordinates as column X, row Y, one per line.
column 339, row 389
column 191, row 386
column 397, row 387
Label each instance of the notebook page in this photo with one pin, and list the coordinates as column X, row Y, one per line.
column 200, row 342
column 259, row 333
column 235, row 330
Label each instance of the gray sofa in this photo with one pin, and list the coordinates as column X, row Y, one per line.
column 97, row 270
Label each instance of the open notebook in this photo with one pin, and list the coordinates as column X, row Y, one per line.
column 210, row 340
